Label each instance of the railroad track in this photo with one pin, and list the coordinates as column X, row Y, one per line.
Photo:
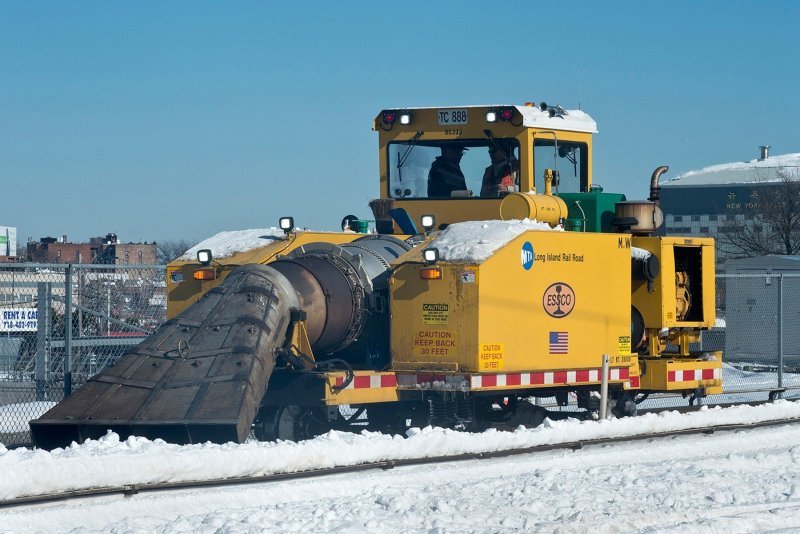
column 133, row 489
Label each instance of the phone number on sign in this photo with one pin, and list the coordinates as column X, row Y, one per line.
column 19, row 325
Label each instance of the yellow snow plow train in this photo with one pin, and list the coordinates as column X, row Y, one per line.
column 495, row 273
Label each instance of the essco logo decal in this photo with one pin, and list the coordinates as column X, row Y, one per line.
column 558, row 300
column 526, row 256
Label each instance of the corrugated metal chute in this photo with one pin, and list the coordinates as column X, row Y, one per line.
column 200, row 377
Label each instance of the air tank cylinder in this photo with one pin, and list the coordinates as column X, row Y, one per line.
column 544, row 208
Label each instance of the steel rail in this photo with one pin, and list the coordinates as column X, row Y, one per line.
column 133, row 489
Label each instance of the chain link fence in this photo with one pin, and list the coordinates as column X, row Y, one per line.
column 44, row 356
column 61, row 324
column 758, row 331
column 761, row 317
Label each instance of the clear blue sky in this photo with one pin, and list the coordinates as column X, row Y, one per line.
column 169, row 120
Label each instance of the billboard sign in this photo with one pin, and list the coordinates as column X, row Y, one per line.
column 18, row 320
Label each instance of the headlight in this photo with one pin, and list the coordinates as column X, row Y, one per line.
column 428, row 222
column 286, row 224
column 204, row 257
column 430, row 255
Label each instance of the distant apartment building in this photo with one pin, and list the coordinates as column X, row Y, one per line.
column 99, row 250
column 710, row 202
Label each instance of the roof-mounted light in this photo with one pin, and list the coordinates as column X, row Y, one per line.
column 428, row 222
column 204, row 257
column 389, row 117
column 504, row 114
column 286, row 224
column 405, row 117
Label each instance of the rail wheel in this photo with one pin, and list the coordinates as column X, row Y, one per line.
column 389, row 418
column 623, row 404
column 291, row 423
column 528, row 415
column 495, row 409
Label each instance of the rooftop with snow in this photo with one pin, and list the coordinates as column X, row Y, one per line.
column 768, row 169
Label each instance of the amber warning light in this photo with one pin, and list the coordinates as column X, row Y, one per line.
column 205, row 273
column 430, row 273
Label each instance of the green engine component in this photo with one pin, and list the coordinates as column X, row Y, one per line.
column 359, row 226
column 595, row 208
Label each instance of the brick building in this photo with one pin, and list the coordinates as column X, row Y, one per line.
column 99, row 250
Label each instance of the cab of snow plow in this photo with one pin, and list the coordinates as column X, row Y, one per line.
column 496, row 162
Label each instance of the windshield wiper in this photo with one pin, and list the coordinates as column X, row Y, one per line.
column 402, row 159
column 488, row 134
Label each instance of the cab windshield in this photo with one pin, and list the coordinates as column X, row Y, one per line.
column 483, row 168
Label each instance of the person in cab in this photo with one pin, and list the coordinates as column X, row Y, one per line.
column 501, row 176
column 445, row 175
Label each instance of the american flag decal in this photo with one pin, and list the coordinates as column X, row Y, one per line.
column 559, row 342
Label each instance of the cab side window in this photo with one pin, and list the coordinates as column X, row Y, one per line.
column 570, row 159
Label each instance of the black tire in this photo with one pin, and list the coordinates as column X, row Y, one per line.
column 623, row 404
column 388, row 418
column 290, row 423
column 527, row 415
column 264, row 426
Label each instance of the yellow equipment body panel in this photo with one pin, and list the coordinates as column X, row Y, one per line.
column 544, row 301
column 183, row 290
column 433, row 323
column 664, row 374
column 662, row 304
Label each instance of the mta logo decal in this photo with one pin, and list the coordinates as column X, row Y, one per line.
column 526, row 256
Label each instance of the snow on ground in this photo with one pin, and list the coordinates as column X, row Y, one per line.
column 475, row 241
column 727, row 482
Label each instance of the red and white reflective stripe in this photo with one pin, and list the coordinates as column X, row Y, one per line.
column 546, row 378
column 369, row 381
column 693, row 375
column 448, row 381
column 634, row 383
column 433, row 381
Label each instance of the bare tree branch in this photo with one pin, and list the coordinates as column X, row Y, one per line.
column 166, row 251
column 771, row 224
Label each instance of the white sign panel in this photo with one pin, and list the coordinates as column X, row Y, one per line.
column 8, row 241
column 18, row 320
